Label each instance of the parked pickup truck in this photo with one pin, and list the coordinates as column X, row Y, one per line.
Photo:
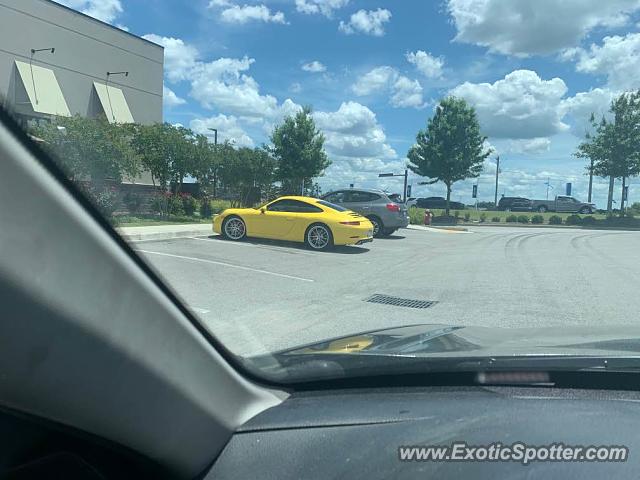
column 562, row 204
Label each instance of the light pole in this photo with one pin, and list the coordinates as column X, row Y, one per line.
column 106, row 84
column 33, row 52
column 405, row 175
column 495, row 200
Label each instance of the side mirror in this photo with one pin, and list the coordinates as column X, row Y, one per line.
column 262, row 210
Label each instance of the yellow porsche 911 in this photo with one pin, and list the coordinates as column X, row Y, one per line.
column 317, row 223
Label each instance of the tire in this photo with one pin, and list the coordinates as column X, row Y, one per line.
column 234, row 228
column 388, row 231
column 318, row 237
column 585, row 210
column 378, row 226
column 542, row 209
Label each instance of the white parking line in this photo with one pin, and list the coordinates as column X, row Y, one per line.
column 291, row 250
column 230, row 265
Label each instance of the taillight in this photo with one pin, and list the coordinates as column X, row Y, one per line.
column 393, row 207
column 350, row 223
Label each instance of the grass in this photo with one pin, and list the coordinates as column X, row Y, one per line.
column 417, row 215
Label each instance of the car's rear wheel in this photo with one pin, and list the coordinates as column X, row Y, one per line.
column 234, row 228
column 318, row 237
column 542, row 209
column 377, row 225
column 388, row 231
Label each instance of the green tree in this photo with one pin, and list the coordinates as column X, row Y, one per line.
column 451, row 148
column 90, row 149
column 298, row 147
column 150, row 142
column 614, row 147
column 247, row 174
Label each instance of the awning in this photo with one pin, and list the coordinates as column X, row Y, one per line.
column 113, row 103
column 42, row 89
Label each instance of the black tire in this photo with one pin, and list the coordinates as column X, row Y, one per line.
column 585, row 210
column 312, row 237
column 228, row 231
column 378, row 226
column 388, row 231
column 542, row 209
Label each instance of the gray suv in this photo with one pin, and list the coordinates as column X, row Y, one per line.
column 386, row 214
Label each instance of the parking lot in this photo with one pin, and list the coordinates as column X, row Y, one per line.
column 260, row 296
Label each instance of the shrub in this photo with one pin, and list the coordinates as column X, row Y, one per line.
column 523, row 219
column 537, row 219
column 467, row 216
column 160, row 203
column 555, row 220
column 189, row 205
column 205, row 208
column 218, row 206
column 175, row 206
column 496, row 219
column 511, row 219
column 416, row 216
column 589, row 220
column 456, row 214
column 573, row 220
column 483, row 217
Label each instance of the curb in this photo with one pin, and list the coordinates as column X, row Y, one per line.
column 137, row 234
column 437, row 227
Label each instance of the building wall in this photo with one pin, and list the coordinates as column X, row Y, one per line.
column 85, row 49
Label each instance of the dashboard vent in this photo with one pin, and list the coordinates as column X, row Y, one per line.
column 400, row 302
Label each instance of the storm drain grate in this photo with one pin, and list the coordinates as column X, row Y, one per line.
column 400, row 302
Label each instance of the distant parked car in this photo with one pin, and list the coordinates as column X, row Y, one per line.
column 514, row 204
column 563, row 203
column 438, row 203
column 411, row 202
column 383, row 212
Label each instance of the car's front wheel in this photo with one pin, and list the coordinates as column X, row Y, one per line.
column 234, row 228
column 585, row 210
column 318, row 237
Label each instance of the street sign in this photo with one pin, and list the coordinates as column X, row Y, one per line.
column 474, row 193
column 568, row 190
column 408, row 190
column 625, row 193
column 351, row 185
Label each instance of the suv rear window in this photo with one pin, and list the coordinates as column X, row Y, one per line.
column 357, row 197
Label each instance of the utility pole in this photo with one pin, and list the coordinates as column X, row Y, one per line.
column 495, row 200
column 590, row 181
column 404, row 190
column 548, row 180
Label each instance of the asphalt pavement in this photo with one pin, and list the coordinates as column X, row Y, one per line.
column 259, row 296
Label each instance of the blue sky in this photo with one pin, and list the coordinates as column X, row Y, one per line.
column 374, row 70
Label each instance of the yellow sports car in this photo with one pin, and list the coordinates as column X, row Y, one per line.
column 317, row 223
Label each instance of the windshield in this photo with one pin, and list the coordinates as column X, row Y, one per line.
column 516, row 136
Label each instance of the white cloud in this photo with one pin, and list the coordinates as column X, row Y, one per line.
column 356, row 143
column 221, row 84
column 427, row 64
column 404, row 92
column 530, row 146
column 295, row 87
column 251, row 13
column 104, row 10
column 228, row 129
column 314, row 67
column 375, row 80
column 521, row 105
column 170, row 99
column 618, row 58
column 369, row 22
column 179, row 58
column 580, row 107
column 524, row 27
column 325, row 7
column 407, row 93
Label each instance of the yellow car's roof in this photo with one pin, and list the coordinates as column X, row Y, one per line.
column 298, row 197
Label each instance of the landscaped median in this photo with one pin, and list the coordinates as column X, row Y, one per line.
column 485, row 217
